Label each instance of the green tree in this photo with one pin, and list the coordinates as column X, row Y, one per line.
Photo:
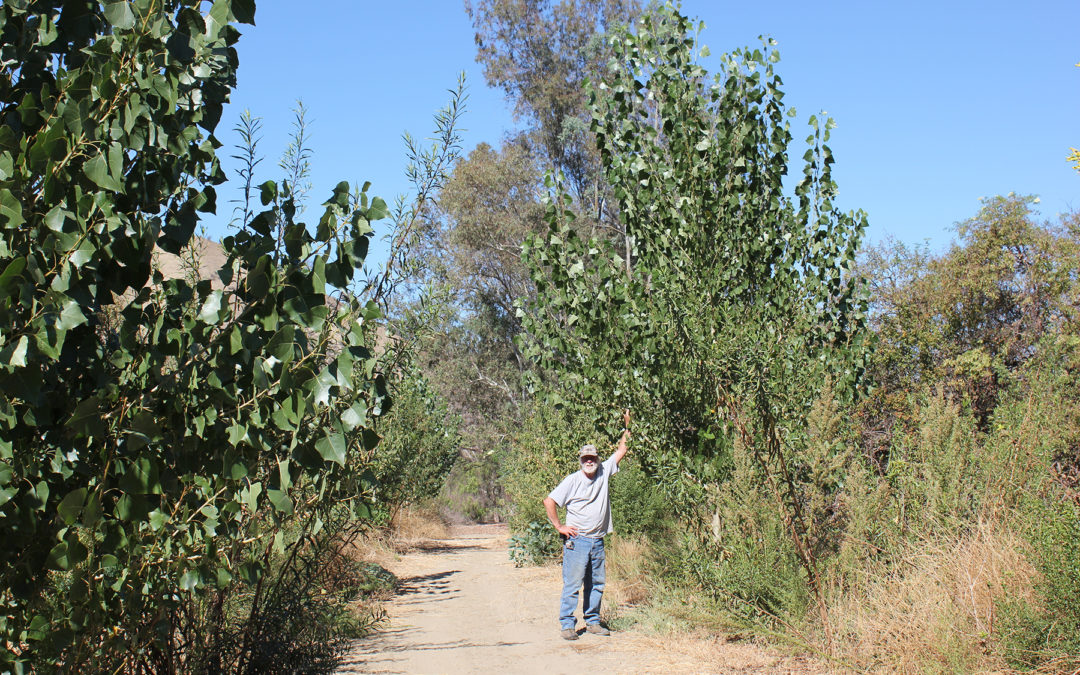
column 171, row 452
column 739, row 311
column 971, row 317
column 486, row 209
column 540, row 54
column 419, row 445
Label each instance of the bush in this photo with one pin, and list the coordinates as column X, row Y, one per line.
column 1037, row 440
column 419, row 446
column 472, row 492
column 536, row 544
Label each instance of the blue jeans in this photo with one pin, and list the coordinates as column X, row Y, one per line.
column 582, row 568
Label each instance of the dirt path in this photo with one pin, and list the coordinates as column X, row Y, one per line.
column 464, row 608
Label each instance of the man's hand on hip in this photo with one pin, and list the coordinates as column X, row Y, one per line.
column 567, row 530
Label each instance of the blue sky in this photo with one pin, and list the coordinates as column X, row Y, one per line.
column 937, row 103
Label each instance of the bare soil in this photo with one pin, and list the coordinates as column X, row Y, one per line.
column 464, row 608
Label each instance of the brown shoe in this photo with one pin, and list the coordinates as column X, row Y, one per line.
column 569, row 634
column 597, row 629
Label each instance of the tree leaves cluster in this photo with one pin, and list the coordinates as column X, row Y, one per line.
column 970, row 318
column 162, row 442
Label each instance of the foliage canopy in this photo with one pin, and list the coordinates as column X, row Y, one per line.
column 161, row 441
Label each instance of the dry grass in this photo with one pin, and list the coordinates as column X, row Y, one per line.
column 934, row 612
column 373, row 547
column 410, row 530
column 413, row 525
column 629, row 580
column 702, row 652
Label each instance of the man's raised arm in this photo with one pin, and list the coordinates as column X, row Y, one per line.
column 620, row 451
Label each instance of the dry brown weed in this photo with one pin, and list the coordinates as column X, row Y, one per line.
column 413, row 525
column 935, row 611
column 629, row 578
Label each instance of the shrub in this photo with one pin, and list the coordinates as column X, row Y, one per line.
column 473, row 491
column 419, row 446
column 536, row 544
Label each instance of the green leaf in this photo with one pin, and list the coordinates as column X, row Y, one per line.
column 71, row 315
column 86, row 420
column 83, row 254
column 281, row 344
column 244, row 11
column 17, row 356
column 355, row 416
column 11, row 215
column 236, row 340
column 97, row 170
column 141, row 477
column 211, row 311
column 284, row 474
column 280, row 500
column 119, row 14
column 250, row 496
column 67, row 553
column 237, row 434
column 54, row 219
column 71, row 506
column 157, row 519
column 332, row 448
column 378, row 209
column 268, row 191
column 11, row 273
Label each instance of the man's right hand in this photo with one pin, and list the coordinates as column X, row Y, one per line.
column 567, row 530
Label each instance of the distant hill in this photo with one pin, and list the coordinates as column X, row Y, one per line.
column 209, row 254
column 211, row 257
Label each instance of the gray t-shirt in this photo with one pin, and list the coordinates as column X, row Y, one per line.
column 586, row 499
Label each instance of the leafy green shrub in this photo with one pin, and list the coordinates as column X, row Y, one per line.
column 1048, row 628
column 935, row 471
column 541, row 454
column 638, row 504
column 419, row 445
column 1035, row 442
column 374, row 580
column 536, row 544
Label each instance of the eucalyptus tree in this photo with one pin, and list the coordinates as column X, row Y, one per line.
column 540, row 53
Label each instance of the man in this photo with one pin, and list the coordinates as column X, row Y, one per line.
column 588, row 518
